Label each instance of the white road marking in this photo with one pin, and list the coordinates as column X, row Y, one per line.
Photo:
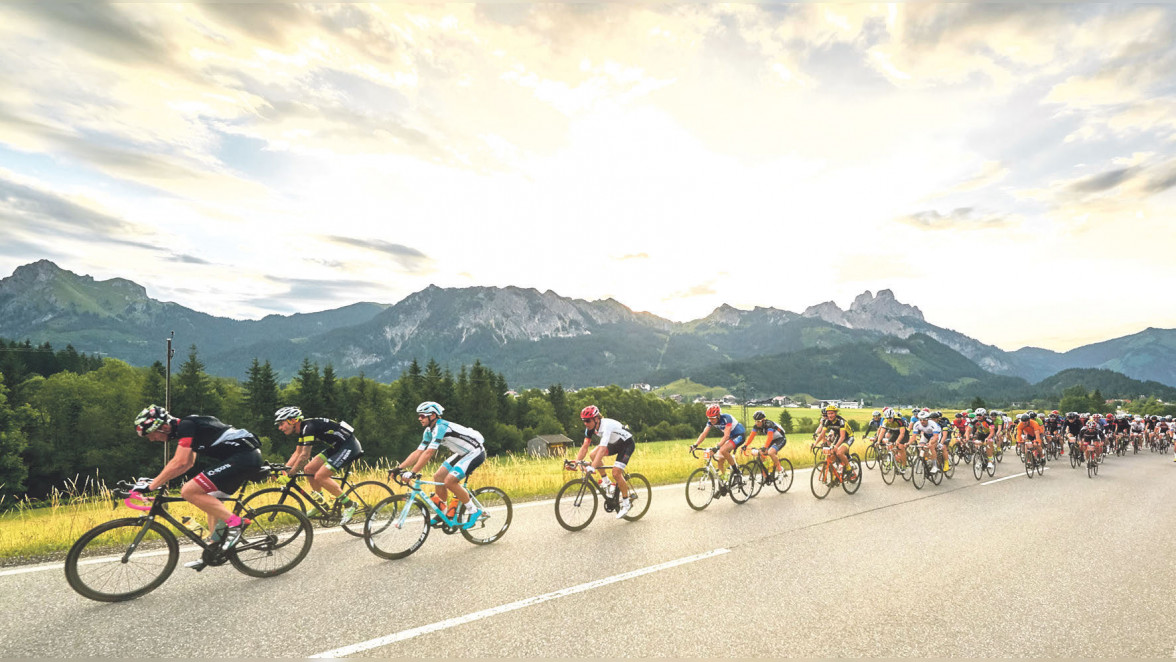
column 494, row 611
column 1017, row 475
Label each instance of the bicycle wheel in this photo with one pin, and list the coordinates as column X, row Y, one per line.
column 1029, row 467
column 1073, row 458
column 700, row 489
column 949, row 472
column 494, row 520
column 1040, row 467
column 784, row 476
column 393, row 530
column 740, row 484
column 978, row 466
column 936, row 477
column 640, row 494
column 365, row 496
column 276, row 541
column 1090, row 469
column 998, row 454
column 819, row 482
column 919, row 474
column 886, row 468
column 755, row 470
column 575, row 504
column 121, row 560
column 907, row 469
column 851, row 486
column 871, row 456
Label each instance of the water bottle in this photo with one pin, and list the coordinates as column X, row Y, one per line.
column 193, row 525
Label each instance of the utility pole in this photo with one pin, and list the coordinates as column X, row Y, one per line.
column 167, row 386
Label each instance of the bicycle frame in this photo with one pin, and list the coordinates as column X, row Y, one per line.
column 613, row 502
column 158, row 510
column 448, row 525
column 292, row 486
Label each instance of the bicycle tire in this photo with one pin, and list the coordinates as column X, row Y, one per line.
column 936, row 477
column 575, row 508
column 638, row 488
column 259, row 498
column 700, row 489
column 1028, row 468
column 871, row 456
column 268, row 546
column 817, row 478
column 384, row 539
column 495, row 519
column 907, row 468
column 978, row 466
column 1090, row 469
column 919, row 473
column 740, row 484
column 851, row 486
column 755, row 469
column 886, row 468
column 1040, row 467
column 1073, row 459
column 365, row 495
column 998, row 454
column 143, row 572
column 784, row 476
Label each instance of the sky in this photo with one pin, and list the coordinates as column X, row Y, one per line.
column 1009, row 169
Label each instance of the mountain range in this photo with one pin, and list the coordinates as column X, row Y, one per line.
column 879, row 346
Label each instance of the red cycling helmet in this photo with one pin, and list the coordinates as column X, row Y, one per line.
column 713, row 410
column 589, row 412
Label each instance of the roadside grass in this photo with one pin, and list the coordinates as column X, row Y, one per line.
column 45, row 531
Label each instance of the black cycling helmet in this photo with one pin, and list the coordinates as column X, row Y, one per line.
column 759, row 415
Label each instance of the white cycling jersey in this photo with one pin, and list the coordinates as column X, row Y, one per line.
column 610, row 431
column 927, row 428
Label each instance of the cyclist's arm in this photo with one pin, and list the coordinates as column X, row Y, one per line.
column 584, row 449
column 727, row 433
column 702, row 437
column 750, row 436
column 300, row 456
column 182, row 461
column 418, row 459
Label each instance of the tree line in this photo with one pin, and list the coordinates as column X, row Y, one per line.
column 66, row 418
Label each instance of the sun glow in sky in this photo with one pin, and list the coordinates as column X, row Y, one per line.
column 1010, row 169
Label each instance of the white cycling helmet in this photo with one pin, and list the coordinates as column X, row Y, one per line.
column 430, row 407
column 981, row 411
column 287, row 413
column 924, row 415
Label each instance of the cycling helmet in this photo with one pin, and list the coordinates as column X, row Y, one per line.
column 1072, row 414
column 713, row 410
column 971, row 416
column 981, row 411
column 589, row 412
column 151, row 419
column 287, row 413
column 936, row 414
column 960, row 414
column 430, row 407
column 1091, row 424
column 1031, row 414
column 831, row 408
column 1168, row 417
column 1055, row 413
column 759, row 416
column 888, row 413
column 1138, row 417
column 877, row 413
column 1023, row 417
column 1110, row 417
column 924, row 415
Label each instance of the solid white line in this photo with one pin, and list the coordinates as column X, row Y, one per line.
column 1019, row 475
column 493, row 611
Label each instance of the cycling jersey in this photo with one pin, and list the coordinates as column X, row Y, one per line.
column 1053, row 425
column 737, row 431
column 835, row 427
column 344, row 447
column 616, row 438
column 1087, row 435
column 1137, row 428
column 981, row 429
column 1074, row 426
column 776, row 437
column 1030, row 428
column 208, row 436
column 457, row 438
column 874, row 424
column 928, row 429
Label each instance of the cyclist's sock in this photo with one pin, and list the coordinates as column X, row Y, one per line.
column 343, row 499
column 234, row 520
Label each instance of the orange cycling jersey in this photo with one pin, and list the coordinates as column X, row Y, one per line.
column 1029, row 428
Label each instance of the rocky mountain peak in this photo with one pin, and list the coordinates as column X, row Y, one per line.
column 827, row 311
column 884, row 305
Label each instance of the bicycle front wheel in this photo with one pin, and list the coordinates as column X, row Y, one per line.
column 758, row 474
column 886, row 467
column 575, row 504
column 640, row 494
column 740, row 484
column 784, row 476
column 278, row 538
column 700, row 489
column 494, row 519
column 365, row 496
column 396, row 527
column 818, row 482
column 919, row 473
column 871, row 456
column 121, row 560
column 851, row 486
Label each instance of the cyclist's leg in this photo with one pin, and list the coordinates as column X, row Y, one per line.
column 623, row 451
column 461, row 470
column 206, row 490
column 312, row 470
column 725, row 453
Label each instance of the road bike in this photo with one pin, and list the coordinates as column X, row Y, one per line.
column 780, row 478
column 1032, row 462
column 981, row 463
column 399, row 525
column 129, row 557
column 921, row 470
column 576, row 502
column 364, row 496
column 828, row 474
column 705, row 484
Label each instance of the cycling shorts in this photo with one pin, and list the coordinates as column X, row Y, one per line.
column 463, row 465
column 342, row 454
column 623, row 449
column 736, row 442
column 778, row 444
column 228, row 476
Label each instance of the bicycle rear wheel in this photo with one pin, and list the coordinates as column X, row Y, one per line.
column 575, row 504
column 278, row 538
column 851, row 486
column 272, row 495
column 784, row 476
column 494, row 519
column 871, row 456
column 640, row 494
column 396, row 528
column 740, row 484
column 121, row 560
column 365, row 496
column 700, row 489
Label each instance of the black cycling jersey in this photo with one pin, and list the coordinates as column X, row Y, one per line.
column 1088, row 435
column 208, row 436
column 834, row 427
column 1074, row 426
column 324, row 430
column 1053, row 425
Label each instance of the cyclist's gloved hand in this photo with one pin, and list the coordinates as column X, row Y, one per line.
column 142, row 485
column 590, row 469
column 282, row 478
column 406, row 475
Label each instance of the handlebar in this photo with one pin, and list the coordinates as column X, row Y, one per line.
column 710, row 451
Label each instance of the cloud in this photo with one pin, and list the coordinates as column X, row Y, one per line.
column 322, row 289
column 407, row 257
column 704, row 289
column 962, row 218
column 1105, row 181
column 633, row 256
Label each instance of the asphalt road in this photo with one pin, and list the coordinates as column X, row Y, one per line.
column 1060, row 565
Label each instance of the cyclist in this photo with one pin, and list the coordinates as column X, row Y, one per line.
column 835, row 430
column 615, row 439
column 1092, row 437
column 774, row 442
column 469, row 452
column 1053, row 429
column 931, row 433
column 1136, row 431
column 894, row 432
column 980, row 428
column 1029, row 430
column 732, row 430
column 873, row 425
column 1073, row 426
column 343, row 449
column 238, row 453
